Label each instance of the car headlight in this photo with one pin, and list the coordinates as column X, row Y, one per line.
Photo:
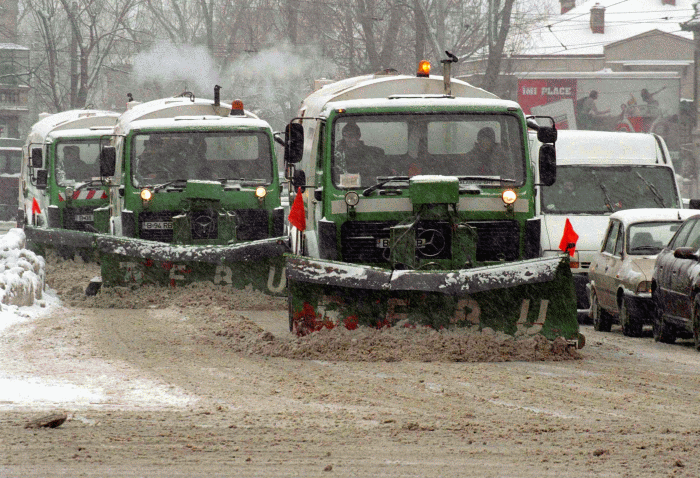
column 644, row 286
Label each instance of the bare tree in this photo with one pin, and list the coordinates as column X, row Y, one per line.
column 77, row 38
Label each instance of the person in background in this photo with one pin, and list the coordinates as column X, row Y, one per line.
column 587, row 111
column 354, row 156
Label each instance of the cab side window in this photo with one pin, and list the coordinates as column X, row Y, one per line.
column 611, row 238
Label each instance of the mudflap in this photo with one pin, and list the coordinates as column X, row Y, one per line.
column 65, row 242
column 258, row 264
column 519, row 298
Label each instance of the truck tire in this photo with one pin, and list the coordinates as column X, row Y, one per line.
column 631, row 327
column 602, row 320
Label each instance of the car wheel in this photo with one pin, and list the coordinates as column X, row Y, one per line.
column 663, row 332
column 602, row 321
column 696, row 322
column 631, row 327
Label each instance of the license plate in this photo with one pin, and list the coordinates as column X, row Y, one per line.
column 84, row 218
column 158, row 225
column 383, row 243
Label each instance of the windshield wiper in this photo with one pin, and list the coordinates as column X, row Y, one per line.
column 89, row 183
column 382, row 182
column 657, row 197
column 169, row 183
column 489, row 178
column 608, row 202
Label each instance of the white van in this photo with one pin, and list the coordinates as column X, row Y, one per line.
column 599, row 173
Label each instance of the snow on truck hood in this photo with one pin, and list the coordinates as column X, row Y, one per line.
column 590, row 230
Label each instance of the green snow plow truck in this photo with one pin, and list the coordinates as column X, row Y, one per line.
column 416, row 205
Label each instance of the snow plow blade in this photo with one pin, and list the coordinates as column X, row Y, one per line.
column 517, row 298
column 259, row 264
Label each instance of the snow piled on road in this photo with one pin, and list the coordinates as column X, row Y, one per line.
column 45, row 378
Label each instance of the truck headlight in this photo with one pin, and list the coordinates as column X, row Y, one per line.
column 352, row 198
column 146, row 195
column 509, row 196
column 260, row 192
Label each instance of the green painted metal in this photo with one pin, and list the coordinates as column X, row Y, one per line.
column 523, row 298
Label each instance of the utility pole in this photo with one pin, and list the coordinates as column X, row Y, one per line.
column 693, row 25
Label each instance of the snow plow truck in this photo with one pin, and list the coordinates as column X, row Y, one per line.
column 60, row 185
column 412, row 225
column 194, row 196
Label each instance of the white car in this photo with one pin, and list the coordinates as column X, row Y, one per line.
column 621, row 271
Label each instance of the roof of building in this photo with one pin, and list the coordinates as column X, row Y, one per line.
column 570, row 33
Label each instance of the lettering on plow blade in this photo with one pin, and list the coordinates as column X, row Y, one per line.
column 467, row 310
column 224, row 275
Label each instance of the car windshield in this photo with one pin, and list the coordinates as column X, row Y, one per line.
column 240, row 156
column 650, row 237
column 77, row 161
column 481, row 149
column 602, row 190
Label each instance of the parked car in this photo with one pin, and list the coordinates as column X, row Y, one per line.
column 599, row 173
column 621, row 271
column 675, row 286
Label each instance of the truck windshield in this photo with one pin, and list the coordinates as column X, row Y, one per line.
column 77, row 161
column 158, row 158
column 602, row 190
column 485, row 148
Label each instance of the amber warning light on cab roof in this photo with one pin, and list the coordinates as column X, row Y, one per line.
column 423, row 69
column 236, row 108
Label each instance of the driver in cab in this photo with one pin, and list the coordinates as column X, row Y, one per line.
column 353, row 157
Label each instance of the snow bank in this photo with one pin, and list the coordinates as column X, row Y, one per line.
column 22, row 273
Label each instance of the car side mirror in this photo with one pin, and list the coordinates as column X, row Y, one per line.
column 685, row 253
column 42, row 179
column 36, row 159
column 108, row 161
column 548, row 164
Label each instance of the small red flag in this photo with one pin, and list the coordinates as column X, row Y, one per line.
column 568, row 240
column 297, row 215
column 35, row 207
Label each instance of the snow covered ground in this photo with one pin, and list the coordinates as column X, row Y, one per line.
column 45, row 371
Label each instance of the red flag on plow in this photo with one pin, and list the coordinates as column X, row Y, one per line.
column 568, row 240
column 35, row 207
column 297, row 215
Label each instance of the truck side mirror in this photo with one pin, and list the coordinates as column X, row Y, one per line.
column 108, row 161
column 42, row 179
column 293, row 143
column 547, row 134
column 694, row 204
column 299, row 179
column 36, row 159
column 548, row 164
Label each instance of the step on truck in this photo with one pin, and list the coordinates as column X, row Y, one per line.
column 417, row 207
column 194, row 195
column 60, row 185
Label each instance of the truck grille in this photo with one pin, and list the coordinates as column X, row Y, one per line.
column 252, row 224
column 79, row 218
column 497, row 240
